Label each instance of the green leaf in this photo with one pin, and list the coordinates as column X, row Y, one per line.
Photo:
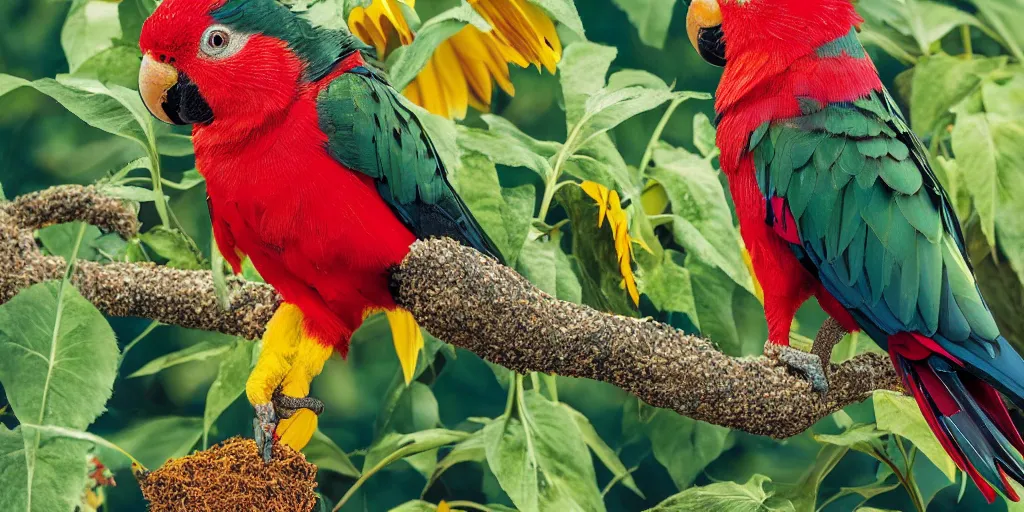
column 323, row 452
column 229, row 384
column 506, row 222
column 58, row 356
column 650, row 17
column 727, row 497
column 394, row 447
column 118, row 65
column 472, row 449
column 201, row 351
column 40, row 474
column 172, row 144
column 703, row 222
column 537, row 464
column 89, row 28
column 582, row 73
column 901, row 415
column 132, row 14
column 137, row 194
column 154, row 441
column 804, row 494
column 941, row 82
column 407, row 62
column 704, row 135
column 174, row 246
column 415, row 506
column 685, row 446
column 59, row 240
column 504, row 144
column 546, row 265
column 594, row 251
column 1002, row 15
column 113, row 109
column 564, row 12
column 863, row 438
column 669, row 288
column 601, row 449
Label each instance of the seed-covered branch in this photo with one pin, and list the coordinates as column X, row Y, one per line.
column 465, row 299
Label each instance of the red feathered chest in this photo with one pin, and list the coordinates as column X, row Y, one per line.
column 318, row 232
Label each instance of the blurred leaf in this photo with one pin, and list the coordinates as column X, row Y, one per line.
column 900, row 415
column 940, row 82
column 323, row 452
column 1000, row 14
column 91, row 27
column 201, row 351
column 703, row 222
column 189, row 180
column 154, row 441
column 132, row 13
column 685, row 446
column 174, row 246
column 669, row 288
column 704, row 135
column 415, row 506
column 924, row 22
column 537, row 464
column 472, row 449
column 58, row 357
column 601, row 449
column 229, row 384
column 172, row 144
column 117, row 65
column 804, row 494
column 40, row 475
column 727, row 497
column 651, row 19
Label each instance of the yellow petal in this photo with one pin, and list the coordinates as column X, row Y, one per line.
column 472, row 55
column 408, row 339
column 297, row 430
column 542, row 27
column 443, row 507
column 599, row 193
column 453, row 80
column 412, row 91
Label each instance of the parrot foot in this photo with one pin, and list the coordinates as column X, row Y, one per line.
column 264, row 425
column 809, row 365
column 286, row 406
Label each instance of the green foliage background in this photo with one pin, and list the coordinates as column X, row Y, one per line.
column 466, row 431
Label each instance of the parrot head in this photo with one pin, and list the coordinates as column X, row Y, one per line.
column 241, row 61
column 722, row 30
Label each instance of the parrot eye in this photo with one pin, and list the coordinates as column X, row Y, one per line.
column 220, row 42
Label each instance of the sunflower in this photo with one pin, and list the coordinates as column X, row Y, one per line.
column 610, row 207
column 382, row 24
column 464, row 68
column 524, row 27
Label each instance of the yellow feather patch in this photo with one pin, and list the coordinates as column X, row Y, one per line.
column 297, row 430
column 408, row 339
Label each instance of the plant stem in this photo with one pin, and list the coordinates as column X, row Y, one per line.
column 550, row 184
column 158, row 189
column 912, row 491
column 656, row 136
column 510, row 401
column 618, row 478
column 965, row 35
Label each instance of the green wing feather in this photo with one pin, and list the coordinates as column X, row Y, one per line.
column 371, row 130
column 874, row 224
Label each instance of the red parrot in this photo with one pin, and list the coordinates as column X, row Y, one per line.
column 836, row 200
column 317, row 170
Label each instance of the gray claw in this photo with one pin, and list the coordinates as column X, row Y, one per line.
column 807, row 364
column 264, row 426
column 286, row 406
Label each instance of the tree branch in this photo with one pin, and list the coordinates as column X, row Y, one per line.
column 468, row 300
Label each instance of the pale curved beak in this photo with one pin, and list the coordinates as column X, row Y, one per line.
column 155, row 80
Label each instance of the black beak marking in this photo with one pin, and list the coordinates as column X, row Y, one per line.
column 185, row 105
column 711, row 45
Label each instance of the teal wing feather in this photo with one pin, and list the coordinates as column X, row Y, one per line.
column 872, row 220
column 370, row 130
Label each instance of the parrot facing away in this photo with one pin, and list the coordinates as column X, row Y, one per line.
column 836, row 199
column 317, row 170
